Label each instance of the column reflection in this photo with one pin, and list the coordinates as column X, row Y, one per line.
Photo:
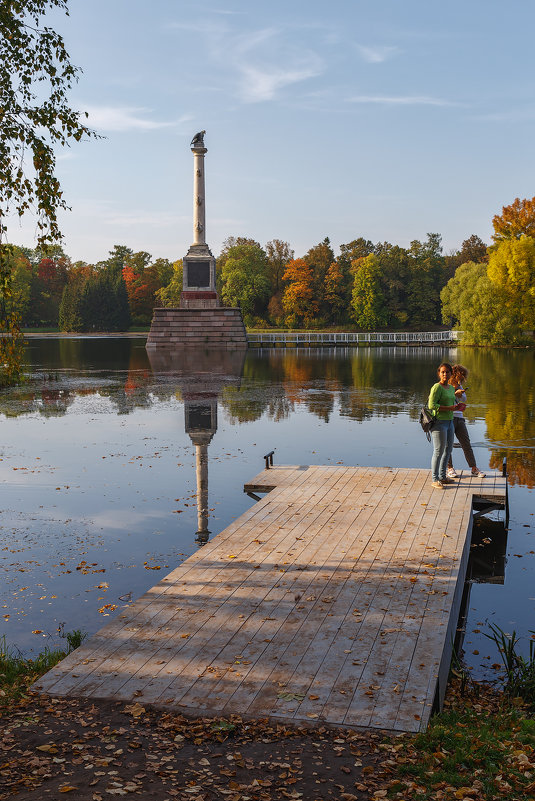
column 200, row 376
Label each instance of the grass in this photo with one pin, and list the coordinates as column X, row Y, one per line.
column 18, row 673
column 519, row 670
column 482, row 749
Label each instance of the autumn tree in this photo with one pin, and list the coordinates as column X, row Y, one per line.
column 473, row 249
column 298, row 301
column 511, row 268
column 515, row 220
column 335, row 295
column 245, row 280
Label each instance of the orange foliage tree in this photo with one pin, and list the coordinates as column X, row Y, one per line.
column 298, row 300
column 515, row 220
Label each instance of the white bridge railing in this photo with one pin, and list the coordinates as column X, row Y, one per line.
column 296, row 338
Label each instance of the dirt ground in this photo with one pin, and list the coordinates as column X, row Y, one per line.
column 95, row 751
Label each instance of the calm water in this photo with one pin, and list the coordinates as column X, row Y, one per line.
column 98, row 478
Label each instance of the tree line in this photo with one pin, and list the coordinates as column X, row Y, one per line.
column 366, row 286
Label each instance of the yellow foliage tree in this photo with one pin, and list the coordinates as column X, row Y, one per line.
column 511, row 267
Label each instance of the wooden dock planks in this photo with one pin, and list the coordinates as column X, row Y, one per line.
column 331, row 600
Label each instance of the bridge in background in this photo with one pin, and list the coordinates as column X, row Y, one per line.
column 296, row 339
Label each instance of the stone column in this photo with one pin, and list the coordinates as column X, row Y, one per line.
column 199, row 197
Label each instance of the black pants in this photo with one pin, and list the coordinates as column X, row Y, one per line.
column 461, row 432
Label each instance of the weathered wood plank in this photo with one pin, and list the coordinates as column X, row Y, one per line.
column 331, row 599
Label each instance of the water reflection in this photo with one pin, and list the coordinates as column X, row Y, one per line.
column 201, row 377
column 358, row 384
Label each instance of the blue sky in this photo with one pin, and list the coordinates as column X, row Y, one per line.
column 385, row 119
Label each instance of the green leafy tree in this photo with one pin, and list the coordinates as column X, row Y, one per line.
column 426, row 279
column 36, row 75
column 368, row 304
column 21, row 281
column 320, row 258
column 70, row 316
column 11, row 341
column 245, row 279
column 480, row 308
column 169, row 295
column 278, row 255
column 394, row 273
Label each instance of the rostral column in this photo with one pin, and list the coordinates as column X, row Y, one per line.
column 199, row 282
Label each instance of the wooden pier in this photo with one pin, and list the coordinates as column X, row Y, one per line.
column 333, row 600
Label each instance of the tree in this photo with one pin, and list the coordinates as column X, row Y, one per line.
column 368, row 303
column 320, row 258
column 335, row 300
column 515, row 220
column 473, row 249
column 70, row 311
column 169, row 295
column 36, row 75
column 278, row 254
column 480, row 308
column 298, row 300
column 511, row 268
column 245, row 280
column 11, row 341
column 427, row 277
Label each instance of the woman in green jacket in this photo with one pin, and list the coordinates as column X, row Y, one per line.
column 442, row 403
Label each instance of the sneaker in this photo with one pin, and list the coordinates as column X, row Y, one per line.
column 447, row 481
column 450, row 472
column 437, row 485
column 478, row 473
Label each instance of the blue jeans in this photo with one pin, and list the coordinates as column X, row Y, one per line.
column 442, row 439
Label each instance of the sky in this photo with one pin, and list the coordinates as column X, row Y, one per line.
column 386, row 119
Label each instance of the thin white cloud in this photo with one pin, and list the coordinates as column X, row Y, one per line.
column 377, row 54
column 258, row 58
column 401, row 100
column 136, row 219
column 126, row 118
column 261, row 62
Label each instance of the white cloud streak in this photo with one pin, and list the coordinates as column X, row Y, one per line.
column 377, row 54
column 126, row 118
column 401, row 100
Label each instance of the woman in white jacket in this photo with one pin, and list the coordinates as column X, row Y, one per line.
column 457, row 380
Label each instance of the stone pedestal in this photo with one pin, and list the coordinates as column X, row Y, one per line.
column 218, row 328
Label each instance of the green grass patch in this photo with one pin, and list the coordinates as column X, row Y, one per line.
column 18, row 673
column 481, row 748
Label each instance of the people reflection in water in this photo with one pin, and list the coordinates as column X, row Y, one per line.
column 458, row 382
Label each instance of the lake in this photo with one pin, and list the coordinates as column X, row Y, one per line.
column 101, row 448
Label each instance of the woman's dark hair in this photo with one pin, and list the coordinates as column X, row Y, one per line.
column 445, row 364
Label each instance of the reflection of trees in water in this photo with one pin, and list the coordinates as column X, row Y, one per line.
column 503, row 381
column 520, row 465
